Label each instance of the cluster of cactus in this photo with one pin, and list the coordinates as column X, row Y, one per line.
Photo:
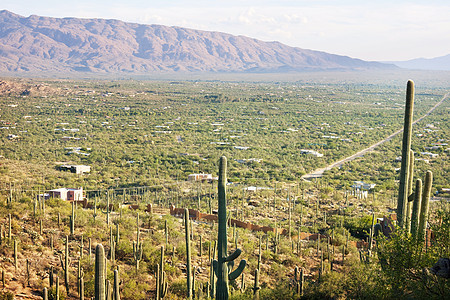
column 223, row 265
column 412, row 208
column 420, row 207
column 298, row 280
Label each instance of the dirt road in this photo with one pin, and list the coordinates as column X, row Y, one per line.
column 319, row 172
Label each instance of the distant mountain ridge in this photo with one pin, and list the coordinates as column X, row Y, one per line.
column 44, row 44
column 436, row 63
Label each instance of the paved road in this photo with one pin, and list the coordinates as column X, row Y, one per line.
column 319, row 172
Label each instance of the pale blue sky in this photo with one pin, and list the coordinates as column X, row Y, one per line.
column 371, row 30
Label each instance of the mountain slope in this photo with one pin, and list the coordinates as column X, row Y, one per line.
column 37, row 43
column 437, row 63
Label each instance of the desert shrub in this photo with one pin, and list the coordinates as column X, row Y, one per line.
column 405, row 263
column 178, row 287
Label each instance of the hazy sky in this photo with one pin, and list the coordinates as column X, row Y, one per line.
column 379, row 30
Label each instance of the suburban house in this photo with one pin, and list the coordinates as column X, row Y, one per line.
column 311, row 152
column 432, row 155
column 77, row 169
column 360, row 185
column 201, row 177
column 67, row 194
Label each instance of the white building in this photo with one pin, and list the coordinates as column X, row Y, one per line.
column 67, row 194
column 311, row 152
column 201, row 177
column 360, row 185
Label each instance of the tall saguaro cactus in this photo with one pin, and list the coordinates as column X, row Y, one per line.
column 223, row 261
column 406, row 146
column 188, row 254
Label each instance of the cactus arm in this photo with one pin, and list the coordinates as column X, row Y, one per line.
column 235, row 274
column 234, row 255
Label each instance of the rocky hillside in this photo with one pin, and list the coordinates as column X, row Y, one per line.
column 43, row 44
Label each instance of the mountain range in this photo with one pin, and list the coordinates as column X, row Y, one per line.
column 436, row 63
column 45, row 44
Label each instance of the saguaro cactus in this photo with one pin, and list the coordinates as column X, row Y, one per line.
column 161, row 284
column 223, row 261
column 406, row 147
column 45, row 294
column 65, row 264
column 410, row 191
column 137, row 247
column 424, row 206
column 72, row 219
column 416, row 208
column 256, row 286
column 15, row 254
column 116, row 285
column 100, row 273
column 188, row 254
